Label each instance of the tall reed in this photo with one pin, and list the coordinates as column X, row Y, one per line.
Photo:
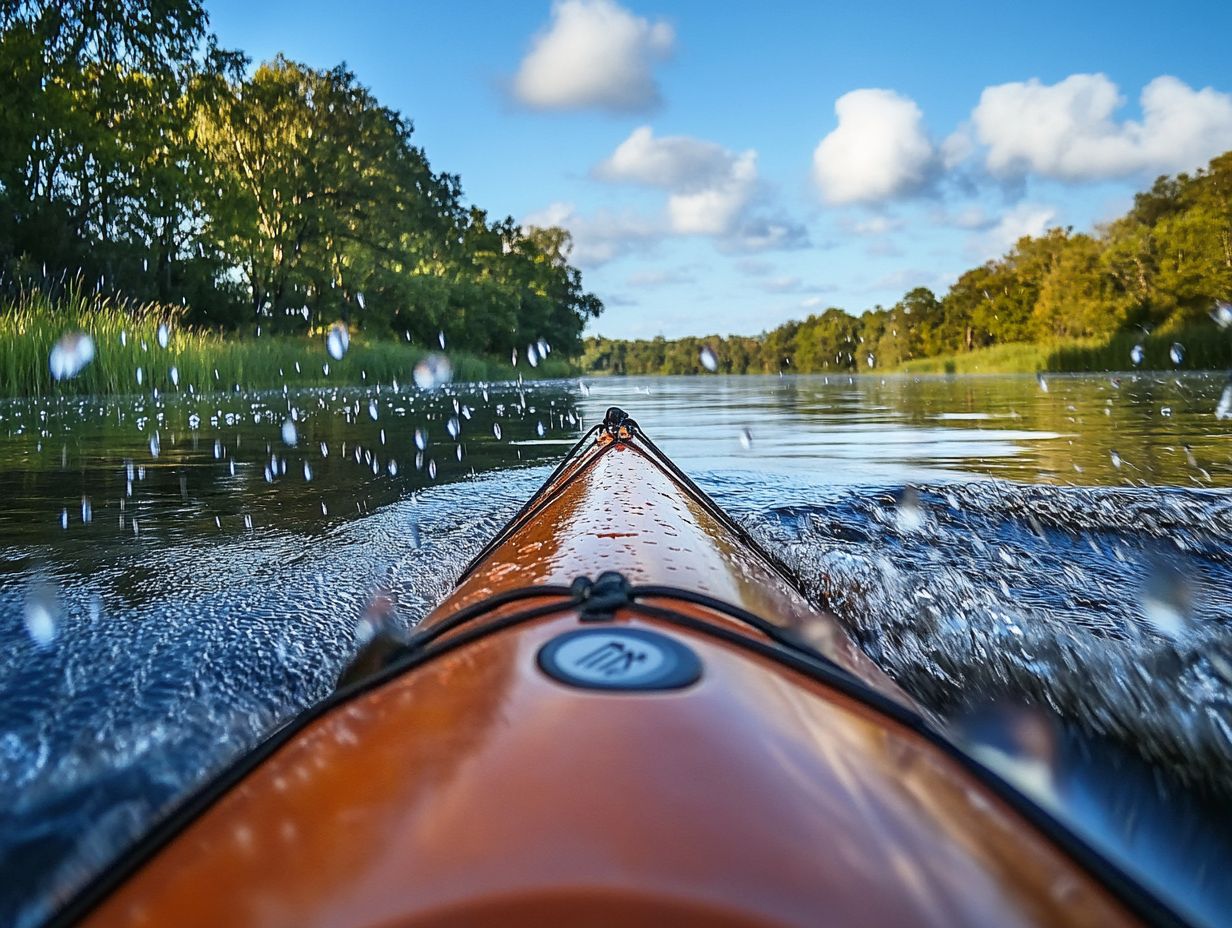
column 126, row 342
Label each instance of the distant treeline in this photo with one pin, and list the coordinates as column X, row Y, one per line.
column 137, row 155
column 1164, row 267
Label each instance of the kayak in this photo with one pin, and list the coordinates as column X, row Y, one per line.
column 625, row 713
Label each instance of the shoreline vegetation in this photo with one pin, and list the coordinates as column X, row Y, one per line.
column 1150, row 290
column 129, row 357
column 146, row 173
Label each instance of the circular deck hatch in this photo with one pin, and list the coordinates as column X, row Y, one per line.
column 619, row 659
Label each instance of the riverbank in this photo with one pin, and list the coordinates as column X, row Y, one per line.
column 1205, row 348
column 145, row 347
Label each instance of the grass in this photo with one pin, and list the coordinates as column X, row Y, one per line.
column 126, row 341
column 1013, row 358
column 1205, row 348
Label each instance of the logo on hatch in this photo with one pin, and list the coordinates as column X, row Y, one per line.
column 619, row 658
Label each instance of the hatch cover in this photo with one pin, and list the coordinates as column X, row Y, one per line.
column 619, row 659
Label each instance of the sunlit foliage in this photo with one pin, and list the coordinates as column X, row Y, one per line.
column 138, row 156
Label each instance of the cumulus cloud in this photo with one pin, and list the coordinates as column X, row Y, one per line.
column 879, row 150
column 673, row 162
column 1032, row 219
column 762, row 233
column 594, row 53
column 1068, row 130
column 709, row 186
column 711, row 190
column 598, row 238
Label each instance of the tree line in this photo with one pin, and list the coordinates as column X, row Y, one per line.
column 139, row 157
column 1164, row 267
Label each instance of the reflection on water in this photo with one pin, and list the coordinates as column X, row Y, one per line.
column 179, row 573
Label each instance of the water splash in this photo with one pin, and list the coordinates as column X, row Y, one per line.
column 337, row 341
column 433, row 371
column 70, row 355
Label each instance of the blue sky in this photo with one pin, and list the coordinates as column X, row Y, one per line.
column 695, row 151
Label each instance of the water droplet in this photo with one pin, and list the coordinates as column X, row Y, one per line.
column 1177, row 353
column 164, row 335
column 421, row 439
column 432, row 469
column 63, row 518
column 140, row 376
column 290, row 434
column 373, row 411
column 1222, row 314
column 155, row 445
column 540, row 430
column 87, row 510
column 359, row 298
column 496, row 428
column 1116, row 459
column 910, row 515
column 40, row 623
column 71, row 354
column 708, row 359
column 175, row 376
column 585, row 390
column 433, row 371
column 746, row 439
column 453, row 426
column 1224, row 409
column 871, row 360
column 1137, row 354
column 440, row 338
column 337, row 341
column 392, row 467
column 1166, row 601
column 1042, row 381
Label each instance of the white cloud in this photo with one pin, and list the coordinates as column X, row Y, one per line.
column 659, row 278
column 1032, row 219
column 875, row 225
column 599, row 238
column 673, row 162
column 761, row 233
column 710, row 187
column 594, row 53
column 716, row 209
column 879, row 150
column 1068, row 131
column 711, row 192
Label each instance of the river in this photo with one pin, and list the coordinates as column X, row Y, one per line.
column 181, row 572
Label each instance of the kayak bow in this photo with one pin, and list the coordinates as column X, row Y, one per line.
column 625, row 713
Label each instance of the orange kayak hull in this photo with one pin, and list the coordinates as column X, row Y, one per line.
column 476, row 789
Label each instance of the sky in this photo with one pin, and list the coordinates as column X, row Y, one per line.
column 726, row 167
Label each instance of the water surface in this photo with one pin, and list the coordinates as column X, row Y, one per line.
column 179, row 573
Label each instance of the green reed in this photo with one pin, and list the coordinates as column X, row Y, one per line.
column 126, row 341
